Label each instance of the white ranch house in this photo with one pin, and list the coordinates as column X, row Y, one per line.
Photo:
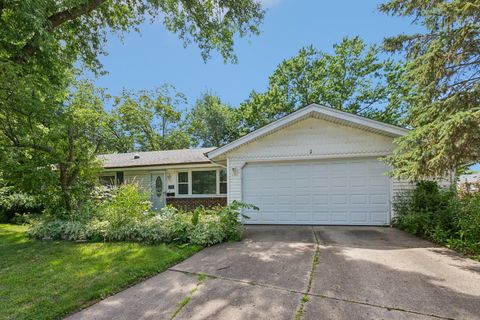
column 315, row 166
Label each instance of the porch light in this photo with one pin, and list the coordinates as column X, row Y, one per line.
column 235, row 171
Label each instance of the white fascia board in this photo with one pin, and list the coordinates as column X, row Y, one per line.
column 362, row 121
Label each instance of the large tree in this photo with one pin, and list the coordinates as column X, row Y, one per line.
column 149, row 120
column 444, row 68
column 212, row 123
column 354, row 78
column 42, row 42
column 41, row 31
column 52, row 153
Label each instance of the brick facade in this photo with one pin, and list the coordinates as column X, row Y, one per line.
column 189, row 204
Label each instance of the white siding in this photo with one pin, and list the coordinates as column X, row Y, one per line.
column 399, row 187
column 142, row 178
column 235, row 168
column 314, row 138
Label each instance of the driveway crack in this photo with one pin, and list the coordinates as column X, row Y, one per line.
column 182, row 303
column 263, row 285
column 315, row 261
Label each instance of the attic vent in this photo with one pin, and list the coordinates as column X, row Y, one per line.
column 136, row 156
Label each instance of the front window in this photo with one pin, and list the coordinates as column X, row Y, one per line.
column 204, row 182
column 223, row 181
column 183, row 183
column 107, row 180
column 120, row 177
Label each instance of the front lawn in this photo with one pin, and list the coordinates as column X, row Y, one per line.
column 49, row 279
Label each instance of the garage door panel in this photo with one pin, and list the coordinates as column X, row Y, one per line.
column 264, row 207
column 301, row 184
column 359, row 182
column 340, row 217
column 302, row 172
column 284, row 218
column 339, row 182
column 299, row 209
column 301, row 199
column 376, row 181
column 378, row 198
column 321, row 218
column 284, row 199
column 378, row 217
column 322, row 199
column 339, row 199
column 320, row 182
column 356, row 199
column 318, row 192
column 303, row 216
column 283, row 169
column 359, row 217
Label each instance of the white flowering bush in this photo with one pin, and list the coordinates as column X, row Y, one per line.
column 126, row 216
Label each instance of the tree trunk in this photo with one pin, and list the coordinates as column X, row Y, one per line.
column 65, row 187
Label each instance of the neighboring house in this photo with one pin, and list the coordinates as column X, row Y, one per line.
column 315, row 166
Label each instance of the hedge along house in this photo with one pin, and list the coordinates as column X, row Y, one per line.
column 317, row 165
column 182, row 178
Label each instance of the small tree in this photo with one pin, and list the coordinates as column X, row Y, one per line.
column 212, row 123
column 150, row 120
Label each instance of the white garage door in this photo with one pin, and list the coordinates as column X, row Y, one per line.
column 341, row 192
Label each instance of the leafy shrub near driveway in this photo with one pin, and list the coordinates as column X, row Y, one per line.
column 127, row 217
column 441, row 215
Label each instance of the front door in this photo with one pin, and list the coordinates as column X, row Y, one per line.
column 158, row 190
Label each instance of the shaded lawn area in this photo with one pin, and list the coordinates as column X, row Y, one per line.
column 50, row 279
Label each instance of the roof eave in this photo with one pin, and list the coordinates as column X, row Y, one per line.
column 157, row 165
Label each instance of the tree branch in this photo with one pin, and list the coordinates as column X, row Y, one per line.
column 59, row 18
column 55, row 21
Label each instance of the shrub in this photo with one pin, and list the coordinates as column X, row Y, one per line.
column 127, row 205
column 440, row 215
column 230, row 217
column 14, row 205
column 126, row 217
column 207, row 231
column 59, row 230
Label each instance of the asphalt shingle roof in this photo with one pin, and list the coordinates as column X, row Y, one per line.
column 154, row 158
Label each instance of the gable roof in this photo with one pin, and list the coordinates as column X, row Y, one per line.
column 317, row 111
column 154, row 158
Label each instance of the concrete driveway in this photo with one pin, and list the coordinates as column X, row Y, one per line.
column 284, row 272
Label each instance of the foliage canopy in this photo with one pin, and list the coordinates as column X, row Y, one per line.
column 444, row 70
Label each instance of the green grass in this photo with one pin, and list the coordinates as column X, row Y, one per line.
column 50, row 279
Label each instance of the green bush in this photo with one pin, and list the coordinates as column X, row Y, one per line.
column 14, row 205
column 59, row 230
column 207, row 231
column 128, row 205
column 440, row 215
column 127, row 217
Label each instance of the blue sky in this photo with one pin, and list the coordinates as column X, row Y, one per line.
column 155, row 56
